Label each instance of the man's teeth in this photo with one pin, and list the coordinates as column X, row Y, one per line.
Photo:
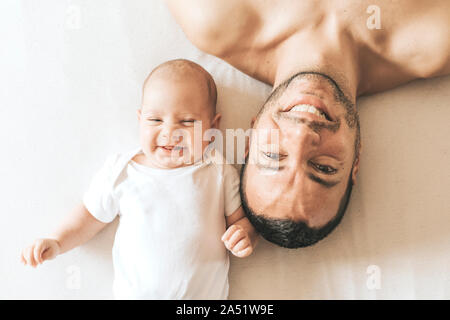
column 310, row 109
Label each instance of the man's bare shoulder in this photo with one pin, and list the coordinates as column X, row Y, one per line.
column 423, row 41
column 257, row 36
column 417, row 46
column 213, row 26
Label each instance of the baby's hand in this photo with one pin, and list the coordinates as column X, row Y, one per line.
column 39, row 251
column 237, row 240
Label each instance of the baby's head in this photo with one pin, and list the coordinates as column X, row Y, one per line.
column 177, row 95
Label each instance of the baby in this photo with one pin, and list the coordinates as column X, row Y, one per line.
column 174, row 206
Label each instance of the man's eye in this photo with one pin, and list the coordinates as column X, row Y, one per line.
column 154, row 120
column 324, row 168
column 273, row 156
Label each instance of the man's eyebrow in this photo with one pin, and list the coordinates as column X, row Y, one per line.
column 271, row 168
column 326, row 184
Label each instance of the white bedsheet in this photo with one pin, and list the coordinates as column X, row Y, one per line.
column 71, row 73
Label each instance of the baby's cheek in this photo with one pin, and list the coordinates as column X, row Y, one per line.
column 185, row 137
column 148, row 138
column 191, row 140
column 197, row 140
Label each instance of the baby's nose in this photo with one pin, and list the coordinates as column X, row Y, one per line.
column 170, row 135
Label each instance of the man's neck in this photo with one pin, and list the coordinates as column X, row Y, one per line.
column 341, row 63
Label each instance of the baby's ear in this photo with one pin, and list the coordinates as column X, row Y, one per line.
column 138, row 113
column 215, row 123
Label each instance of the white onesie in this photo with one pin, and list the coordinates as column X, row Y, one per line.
column 167, row 245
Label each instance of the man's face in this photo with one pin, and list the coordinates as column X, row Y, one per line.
column 305, row 179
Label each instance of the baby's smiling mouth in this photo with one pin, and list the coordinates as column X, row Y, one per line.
column 172, row 148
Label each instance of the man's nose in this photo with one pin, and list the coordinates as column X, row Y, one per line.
column 301, row 138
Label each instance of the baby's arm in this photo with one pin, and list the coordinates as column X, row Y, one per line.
column 240, row 237
column 78, row 228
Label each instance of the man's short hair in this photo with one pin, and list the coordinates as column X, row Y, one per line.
column 286, row 232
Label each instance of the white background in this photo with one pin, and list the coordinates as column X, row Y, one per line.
column 70, row 81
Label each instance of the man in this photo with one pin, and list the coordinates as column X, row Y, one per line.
column 319, row 56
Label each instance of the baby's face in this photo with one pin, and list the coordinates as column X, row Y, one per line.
column 170, row 111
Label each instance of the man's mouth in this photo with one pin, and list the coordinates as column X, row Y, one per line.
column 310, row 109
column 308, row 104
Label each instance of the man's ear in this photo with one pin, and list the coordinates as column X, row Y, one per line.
column 247, row 140
column 215, row 123
column 356, row 165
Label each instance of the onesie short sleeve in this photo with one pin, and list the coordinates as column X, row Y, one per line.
column 231, row 189
column 99, row 199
